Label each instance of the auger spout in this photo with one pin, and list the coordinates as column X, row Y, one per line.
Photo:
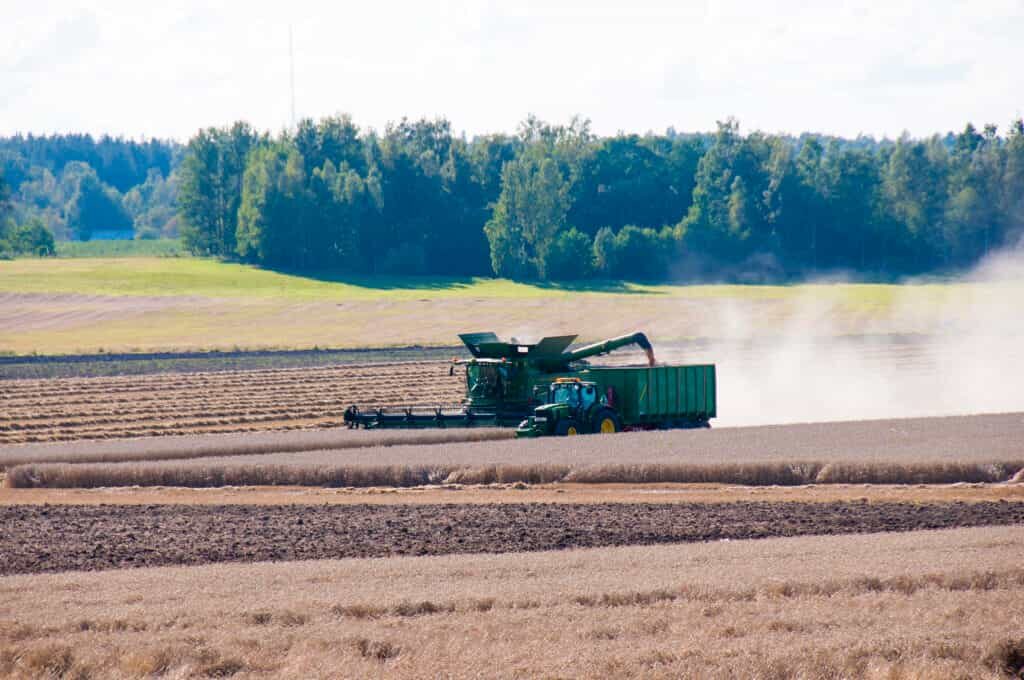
column 606, row 346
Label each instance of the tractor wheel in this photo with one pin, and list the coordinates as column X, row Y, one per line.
column 607, row 421
column 566, row 428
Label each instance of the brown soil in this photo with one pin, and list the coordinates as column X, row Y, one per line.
column 514, row 493
column 60, row 538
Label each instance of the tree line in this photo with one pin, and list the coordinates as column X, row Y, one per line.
column 74, row 185
column 549, row 202
column 28, row 238
column 556, row 202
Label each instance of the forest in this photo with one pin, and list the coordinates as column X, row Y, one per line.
column 550, row 202
column 77, row 186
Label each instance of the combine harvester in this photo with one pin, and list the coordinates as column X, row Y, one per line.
column 545, row 390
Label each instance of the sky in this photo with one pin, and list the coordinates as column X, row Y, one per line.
column 141, row 69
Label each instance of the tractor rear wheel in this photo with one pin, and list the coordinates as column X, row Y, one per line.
column 607, row 421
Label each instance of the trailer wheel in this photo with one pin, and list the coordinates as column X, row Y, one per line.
column 607, row 421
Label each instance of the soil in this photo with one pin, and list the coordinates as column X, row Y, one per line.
column 60, row 538
column 512, row 493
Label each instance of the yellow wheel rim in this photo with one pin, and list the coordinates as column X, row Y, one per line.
column 571, row 430
column 607, row 426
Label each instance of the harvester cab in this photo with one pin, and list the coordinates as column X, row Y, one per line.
column 501, row 375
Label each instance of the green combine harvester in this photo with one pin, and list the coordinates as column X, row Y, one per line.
column 543, row 389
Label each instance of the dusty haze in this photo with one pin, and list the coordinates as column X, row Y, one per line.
column 932, row 349
column 962, row 353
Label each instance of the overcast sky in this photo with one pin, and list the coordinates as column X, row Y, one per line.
column 165, row 69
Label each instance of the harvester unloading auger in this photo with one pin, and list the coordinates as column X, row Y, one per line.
column 509, row 383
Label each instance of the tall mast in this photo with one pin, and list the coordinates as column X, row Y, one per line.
column 291, row 72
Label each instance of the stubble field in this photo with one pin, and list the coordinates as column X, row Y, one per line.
column 183, row 522
column 921, row 605
column 959, row 449
column 64, row 409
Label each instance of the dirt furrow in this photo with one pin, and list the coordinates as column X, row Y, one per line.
column 59, row 538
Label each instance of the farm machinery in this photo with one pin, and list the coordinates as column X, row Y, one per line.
column 545, row 388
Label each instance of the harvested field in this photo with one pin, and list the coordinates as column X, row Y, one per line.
column 235, row 444
column 913, row 451
column 59, row 538
column 220, row 401
column 43, row 366
column 810, row 607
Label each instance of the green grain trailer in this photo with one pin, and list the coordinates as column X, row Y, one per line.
column 610, row 400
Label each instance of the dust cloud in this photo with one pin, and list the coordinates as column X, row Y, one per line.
column 831, row 351
column 922, row 349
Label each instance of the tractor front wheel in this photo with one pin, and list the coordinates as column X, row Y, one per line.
column 607, row 421
column 566, row 428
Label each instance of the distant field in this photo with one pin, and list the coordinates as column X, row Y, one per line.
column 164, row 247
column 120, row 275
column 145, row 304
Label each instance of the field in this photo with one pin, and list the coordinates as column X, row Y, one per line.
column 164, row 247
column 221, row 401
column 908, row 451
column 171, row 511
column 104, row 365
column 169, row 535
column 927, row 604
column 139, row 304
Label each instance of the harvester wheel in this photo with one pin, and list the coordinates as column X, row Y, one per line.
column 607, row 421
column 566, row 429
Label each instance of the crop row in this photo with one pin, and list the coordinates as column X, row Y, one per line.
column 292, row 389
column 927, row 450
column 26, row 418
column 169, row 448
column 128, row 406
column 218, row 378
column 58, row 475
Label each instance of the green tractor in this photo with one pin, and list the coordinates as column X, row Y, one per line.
column 625, row 398
column 573, row 406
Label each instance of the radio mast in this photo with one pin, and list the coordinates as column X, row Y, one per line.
column 291, row 72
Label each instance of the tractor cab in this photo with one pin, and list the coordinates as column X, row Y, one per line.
column 572, row 406
column 574, row 393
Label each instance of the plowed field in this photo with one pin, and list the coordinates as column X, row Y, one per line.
column 60, row 538
column 225, row 401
